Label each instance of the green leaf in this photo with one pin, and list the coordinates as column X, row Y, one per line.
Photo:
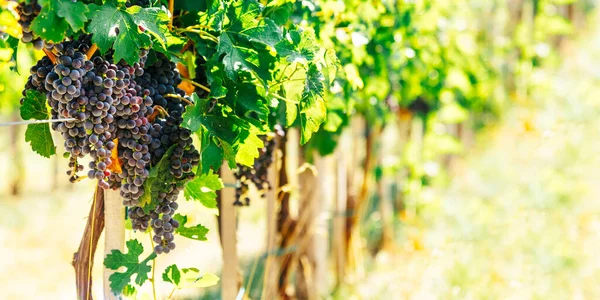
column 214, row 15
column 188, row 277
column 112, row 26
column 172, row 275
column 192, row 278
column 116, row 259
column 38, row 135
column 34, row 106
column 279, row 13
column 74, row 12
column 238, row 57
column 248, row 150
column 298, row 46
column 40, row 139
column 212, row 156
column 313, row 111
column 250, row 103
column 197, row 232
column 228, row 154
column 217, row 90
column 158, row 179
column 129, row 291
column 13, row 44
column 265, row 32
column 204, row 189
column 48, row 25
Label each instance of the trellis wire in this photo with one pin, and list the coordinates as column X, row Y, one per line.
column 36, row 122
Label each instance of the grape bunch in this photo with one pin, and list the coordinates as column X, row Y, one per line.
column 39, row 71
column 160, row 81
column 28, row 12
column 76, row 91
column 257, row 174
column 127, row 119
column 132, row 131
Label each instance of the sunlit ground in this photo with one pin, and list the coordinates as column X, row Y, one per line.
column 519, row 218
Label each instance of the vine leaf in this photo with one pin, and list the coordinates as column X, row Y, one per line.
column 40, row 139
column 313, row 111
column 129, row 291
column 298, row 46
column 126, row 30
column 57, row 16
column 237, row 58
column 172, row 274
column 157, row 180
column 11, row 43
column 243, row 45
column 34, row 106
column 279, row 13
column 38, row 135
column 248, row 150
column 212, row 156
column 226, row 136
column 197, row 232
column 188, row 277
column 73, row 12
column 116, row 259
column 249, row 103
column 192, row 278
column 204, row 189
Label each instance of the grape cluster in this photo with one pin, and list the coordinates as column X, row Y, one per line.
column 40, row 70
column 132, row 131
column 130, row 115
column 28, row 12
column 76, row 91
column 160, row 80
column 257, row 174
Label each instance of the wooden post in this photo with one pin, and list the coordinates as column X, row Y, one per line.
column 271, row 263
column 319, row 247
column 83, row 259
column 404, row 136
column 384, row 186
column 18, row 169
column 230, row 283
column 114, row 234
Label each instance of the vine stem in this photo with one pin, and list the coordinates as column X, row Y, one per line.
column 196, row 84
column 171, row 10
column 50, row 55
column 199, row 26
column 172, row 292
column 284, row 81
column 91, row 51
column 83, row 259
column 157, row 110
column 202, row 34
column 284, row 99
column 179, row 97
column 153, row 268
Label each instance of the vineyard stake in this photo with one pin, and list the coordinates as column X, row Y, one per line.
column 230, row 283
column 271, row 263
column 114, row 234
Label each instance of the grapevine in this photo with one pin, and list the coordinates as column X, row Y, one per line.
column 152, row 100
